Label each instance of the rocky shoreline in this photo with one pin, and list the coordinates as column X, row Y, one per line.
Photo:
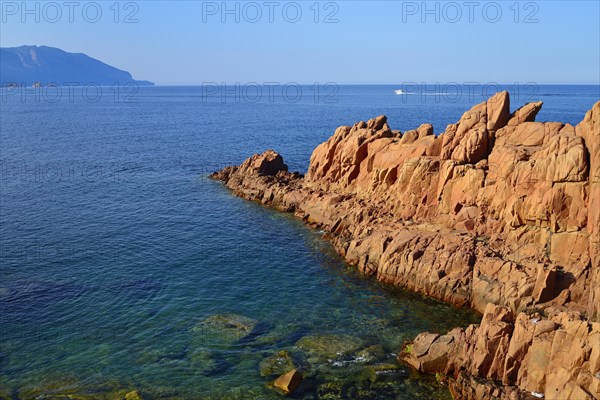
column 499, row 213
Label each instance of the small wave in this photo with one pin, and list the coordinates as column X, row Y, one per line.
column 441, row 94
column 353, row 360
column 564, row 94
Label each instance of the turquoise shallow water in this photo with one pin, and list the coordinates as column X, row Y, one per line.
column 117, row 252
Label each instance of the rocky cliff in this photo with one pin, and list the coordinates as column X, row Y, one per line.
column 499, row 213
column 25, row 65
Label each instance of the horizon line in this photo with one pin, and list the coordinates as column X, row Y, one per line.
column 376, row 84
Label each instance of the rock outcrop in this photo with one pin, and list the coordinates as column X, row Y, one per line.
column 499, row 213
column 288, row 382
column 557, row 356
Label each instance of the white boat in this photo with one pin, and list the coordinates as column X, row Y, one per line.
column 399, row 91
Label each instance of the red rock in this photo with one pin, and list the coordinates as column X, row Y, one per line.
column 435, row 147
column 555, row 357
column 288, row 382
column 269, row 163
column 409, row 136
column 498, row 111
column 526, row 113
column 562, row 159
column 377, row 123
column 545, row 285
column 499, row 213
column 425, row 130
column 467, row 140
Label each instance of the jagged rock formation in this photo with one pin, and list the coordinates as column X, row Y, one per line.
column 558, row 356
column 497, row 210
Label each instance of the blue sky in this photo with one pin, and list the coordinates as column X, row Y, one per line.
column 186, row 42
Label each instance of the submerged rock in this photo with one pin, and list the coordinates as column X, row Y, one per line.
column 371, row 354
column 134, row 395
column 365, row 385
column 225, row 391
column 208, row 363
column 326, row 347
column 110, row 390
column 224, row 329
column 277, row 364
column 387, row 370
column 330, row 390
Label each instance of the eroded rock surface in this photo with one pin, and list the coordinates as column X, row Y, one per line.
column 557, row 356
column 498, row 209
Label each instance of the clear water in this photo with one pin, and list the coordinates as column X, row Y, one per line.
column 115, row 247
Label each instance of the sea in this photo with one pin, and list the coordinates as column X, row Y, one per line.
column 124, row 267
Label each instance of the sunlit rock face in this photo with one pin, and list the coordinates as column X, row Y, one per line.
column 497, row 211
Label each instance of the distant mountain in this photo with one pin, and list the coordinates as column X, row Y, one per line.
column 30, row 64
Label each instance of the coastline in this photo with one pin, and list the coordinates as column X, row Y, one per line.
column 499, row 213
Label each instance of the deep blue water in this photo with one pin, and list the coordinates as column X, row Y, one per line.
column 115, row 247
